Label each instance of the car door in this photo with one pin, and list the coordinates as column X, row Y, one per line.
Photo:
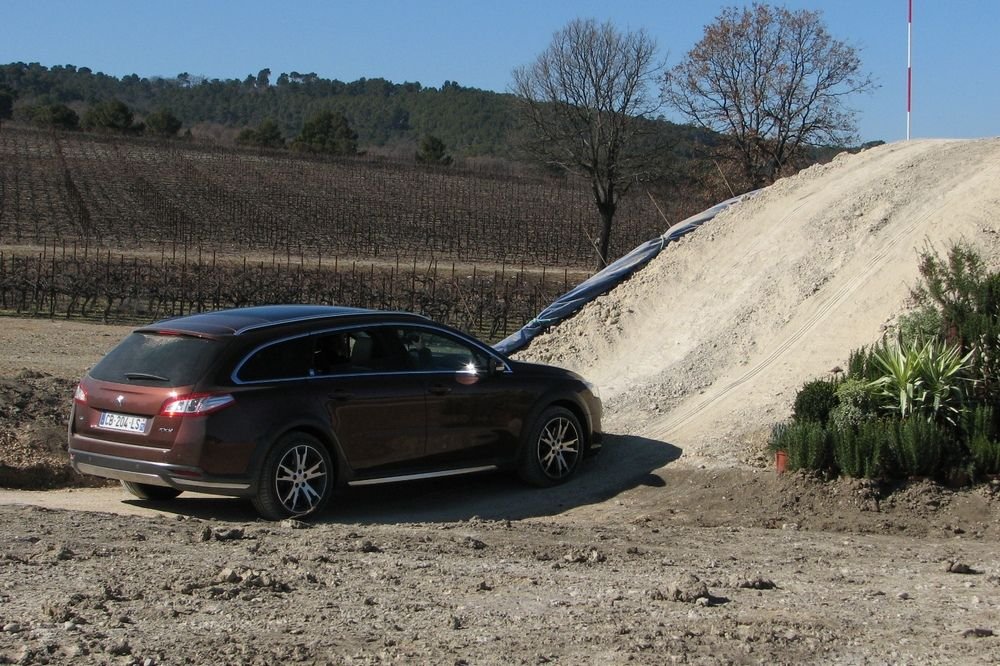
column 474, row 416
column 376, row 407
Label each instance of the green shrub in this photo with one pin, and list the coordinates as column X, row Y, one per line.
column 815, row 400
column 920, row 325
column 854, row 404
column 865, row 451
column 861, row 365
column 806, row 443
column 967, row 298
column 981, row 434
column 921, row 447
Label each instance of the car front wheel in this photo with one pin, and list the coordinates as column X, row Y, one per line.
column 554, row 448
column 296, row 478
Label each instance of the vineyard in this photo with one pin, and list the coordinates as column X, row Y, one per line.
column 127, row 229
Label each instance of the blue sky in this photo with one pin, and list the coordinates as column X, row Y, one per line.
column 956, row 54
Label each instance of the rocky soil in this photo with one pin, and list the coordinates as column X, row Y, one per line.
column 643, row 587
column 641, row 559
column 678, row 544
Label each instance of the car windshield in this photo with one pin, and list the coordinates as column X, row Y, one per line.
column 154, row 359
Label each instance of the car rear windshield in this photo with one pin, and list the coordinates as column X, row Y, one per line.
column 153, row 359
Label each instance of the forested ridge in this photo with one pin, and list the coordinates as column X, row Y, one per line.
column 470, row 121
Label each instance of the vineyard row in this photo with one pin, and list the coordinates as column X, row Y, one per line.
column 119, row 288
column 126, row 194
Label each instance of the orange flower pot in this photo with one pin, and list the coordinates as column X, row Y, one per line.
column 780, row 461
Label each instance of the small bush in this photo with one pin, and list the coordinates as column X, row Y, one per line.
column 854, row 405
column 815, row 400
column 981, row 430
column 861, row 365
column 806, row 443
column 920, row 325
column 921, row 447
column 865, row 451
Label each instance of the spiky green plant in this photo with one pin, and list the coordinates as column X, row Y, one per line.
column 922, row 378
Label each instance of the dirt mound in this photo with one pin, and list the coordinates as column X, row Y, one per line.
column 706, row 346
column 33, row 411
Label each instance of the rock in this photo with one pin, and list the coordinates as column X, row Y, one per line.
column 367, row 546
column 752, row 583
column 12, row 628
column 688, row 588
column 473, row 543
column 977, row 632
column 230, row 534
column 292, row 524
column 591, row 556
column 228, row 575
column 956, row 567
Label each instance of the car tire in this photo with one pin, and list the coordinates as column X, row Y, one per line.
column 553, row 450
column 146, row 491
column 296, row 479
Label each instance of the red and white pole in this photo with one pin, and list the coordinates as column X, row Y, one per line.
column 909, row 67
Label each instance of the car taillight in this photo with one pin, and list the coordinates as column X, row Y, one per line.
column 79, row 395
column 196, row 404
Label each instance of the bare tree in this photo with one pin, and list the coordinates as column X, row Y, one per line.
column 774, row 81
column 585, row 100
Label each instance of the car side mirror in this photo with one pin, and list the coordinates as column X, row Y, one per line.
column 495, row 366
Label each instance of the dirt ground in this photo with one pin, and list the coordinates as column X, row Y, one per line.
column 642, row 559
column 678, row 544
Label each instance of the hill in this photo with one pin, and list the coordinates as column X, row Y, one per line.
column 392, row 117
column 706, row 347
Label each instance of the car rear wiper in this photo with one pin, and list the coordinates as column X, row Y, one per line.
column 146, row 375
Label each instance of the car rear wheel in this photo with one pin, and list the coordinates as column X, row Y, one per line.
column 148, row 492
column 296, row 479
column 554, row 448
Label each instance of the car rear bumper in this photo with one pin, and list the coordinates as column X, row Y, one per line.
column 156, row 474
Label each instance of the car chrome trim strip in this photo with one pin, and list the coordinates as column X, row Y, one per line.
column 121, row 475
column 425, row 475
column 326, row 315
column 187, row 483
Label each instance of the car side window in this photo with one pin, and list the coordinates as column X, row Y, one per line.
column 433, row 351
column 355, row 351
column 289, row 359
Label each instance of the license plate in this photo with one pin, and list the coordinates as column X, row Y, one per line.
column 122, row 422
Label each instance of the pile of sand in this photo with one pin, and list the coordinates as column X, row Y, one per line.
column 706, row 347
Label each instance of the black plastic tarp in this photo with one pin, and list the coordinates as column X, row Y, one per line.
column 606, row 280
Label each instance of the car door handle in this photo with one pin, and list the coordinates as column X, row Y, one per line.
column 439, row 389
column 341, row 395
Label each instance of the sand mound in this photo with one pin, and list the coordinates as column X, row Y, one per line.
column 706, row 347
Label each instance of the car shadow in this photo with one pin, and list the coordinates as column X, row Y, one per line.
column 625, row 462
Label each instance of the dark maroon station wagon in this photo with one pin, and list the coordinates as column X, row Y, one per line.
column 283, row 404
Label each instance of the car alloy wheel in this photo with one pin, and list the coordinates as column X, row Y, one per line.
column 554, row 450
column 297, row 478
